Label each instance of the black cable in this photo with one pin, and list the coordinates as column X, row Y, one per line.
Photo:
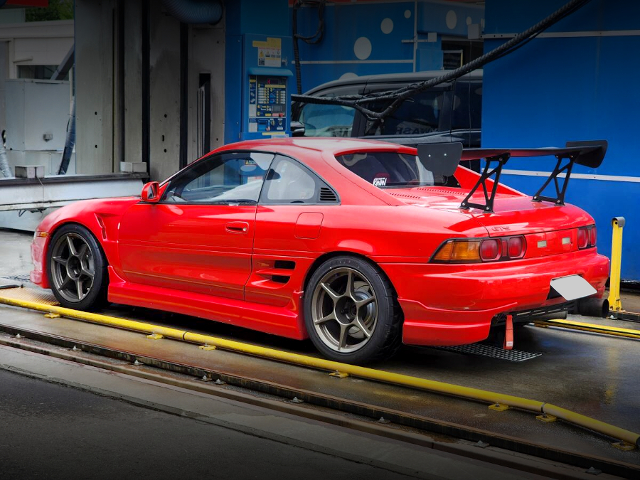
column 315, row 38
column 398, row 96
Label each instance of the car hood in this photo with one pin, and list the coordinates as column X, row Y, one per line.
column 513, row 214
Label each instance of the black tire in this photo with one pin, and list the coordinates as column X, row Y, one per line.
column 359, row 326
column 77, row 268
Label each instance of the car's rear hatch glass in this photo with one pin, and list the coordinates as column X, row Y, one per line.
column 389, row 170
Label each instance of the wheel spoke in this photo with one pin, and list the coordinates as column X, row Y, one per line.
column 87, row 272
column 362, row 328
column 79, row 288
column 82, row 253
column 66, row 281
column 72, row 247
column 342, row 342
column 331, row 316
column 60, row 260
column 366, row 301
column 330, row 292
column 349, row 290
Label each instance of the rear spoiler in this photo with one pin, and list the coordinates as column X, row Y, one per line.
column 589, row 154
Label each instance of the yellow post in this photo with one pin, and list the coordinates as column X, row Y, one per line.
column 616, row 262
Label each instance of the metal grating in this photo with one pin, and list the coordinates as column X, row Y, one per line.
column 491, row 351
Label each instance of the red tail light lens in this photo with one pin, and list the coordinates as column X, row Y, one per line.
column 593, row 236
column 515, row 247
column 490, row 250
column 583, row 238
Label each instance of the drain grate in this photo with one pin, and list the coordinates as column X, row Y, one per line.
column 492, row 352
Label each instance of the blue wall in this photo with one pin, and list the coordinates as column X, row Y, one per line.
column 571, row 88
column 352, row 22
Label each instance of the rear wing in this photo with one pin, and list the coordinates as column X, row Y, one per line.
column 589, row 154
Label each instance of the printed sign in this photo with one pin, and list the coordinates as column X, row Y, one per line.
column 269, row 52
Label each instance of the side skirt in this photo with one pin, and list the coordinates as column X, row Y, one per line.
column 282, row 321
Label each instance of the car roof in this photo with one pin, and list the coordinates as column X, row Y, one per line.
column 332, row 145
column 408, row 78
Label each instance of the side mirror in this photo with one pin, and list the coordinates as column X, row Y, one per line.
column 151, row 192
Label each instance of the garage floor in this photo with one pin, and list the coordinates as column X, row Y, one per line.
column 591, row 374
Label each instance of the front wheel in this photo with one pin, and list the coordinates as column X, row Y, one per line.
column 350, row 311
column 77, row 268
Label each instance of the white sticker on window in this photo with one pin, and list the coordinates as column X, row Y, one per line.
column 379, row 182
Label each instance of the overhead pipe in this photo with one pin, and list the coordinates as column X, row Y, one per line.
column 195, row 11
column 630, row 438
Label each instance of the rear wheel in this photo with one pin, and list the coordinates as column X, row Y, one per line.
column 77, row 268
column 350, row 311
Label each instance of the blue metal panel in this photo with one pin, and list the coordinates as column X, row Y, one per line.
column 257, row 16
column 504, row 16
column 570, row 88
column 233, row 88
column 371, row 35
column 447, row 19
column 429, row 56
column 346, row 23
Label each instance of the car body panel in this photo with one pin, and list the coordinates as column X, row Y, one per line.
column 183, row 258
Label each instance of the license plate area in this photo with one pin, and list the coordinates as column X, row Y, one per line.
column 572, row 287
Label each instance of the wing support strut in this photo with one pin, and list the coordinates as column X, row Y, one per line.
column 560, row 191
column 482, row 181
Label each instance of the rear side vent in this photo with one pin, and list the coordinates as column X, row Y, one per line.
column 327, row 195
column 284, row 264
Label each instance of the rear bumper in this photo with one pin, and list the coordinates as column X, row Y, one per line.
column 454, row 304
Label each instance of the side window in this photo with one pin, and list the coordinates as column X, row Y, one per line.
column 224, row 178
column 327, row 120
column 290, row 182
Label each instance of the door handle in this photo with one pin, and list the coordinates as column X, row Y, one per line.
column 237, row 227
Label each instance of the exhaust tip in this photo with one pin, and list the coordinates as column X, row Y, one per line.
column 594, row 307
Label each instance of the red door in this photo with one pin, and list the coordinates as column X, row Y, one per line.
column 199, row 237
column 199, row 248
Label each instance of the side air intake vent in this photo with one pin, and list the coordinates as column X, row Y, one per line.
column 327, row 195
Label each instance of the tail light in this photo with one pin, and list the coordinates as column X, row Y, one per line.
column 515, row 247
column 587, row 237
column 490, row 250
column 477, row 250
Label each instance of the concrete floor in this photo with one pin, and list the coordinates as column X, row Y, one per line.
column 591, row 374
column 51, row 431
column 117, row 426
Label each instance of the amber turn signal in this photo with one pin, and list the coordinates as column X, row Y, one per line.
column 459, row 251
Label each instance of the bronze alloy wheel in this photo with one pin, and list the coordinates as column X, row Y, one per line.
column 344, row 310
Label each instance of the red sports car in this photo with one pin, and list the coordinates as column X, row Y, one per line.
column 359, row 245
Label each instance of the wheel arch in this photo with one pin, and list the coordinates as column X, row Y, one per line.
column 342, row 253
column 58, row 226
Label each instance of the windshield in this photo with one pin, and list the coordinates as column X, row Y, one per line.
column 393, row 170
